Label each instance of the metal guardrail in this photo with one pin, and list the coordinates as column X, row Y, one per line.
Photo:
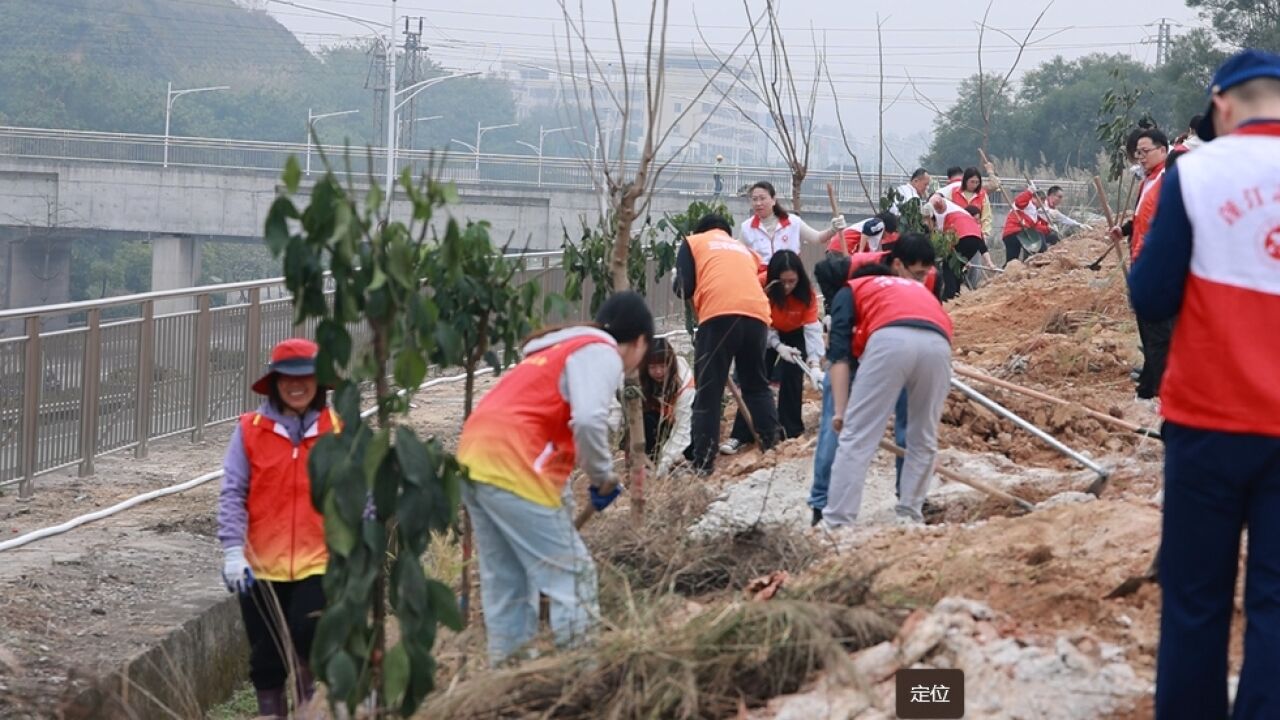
column 104, row 385
column 465, row 169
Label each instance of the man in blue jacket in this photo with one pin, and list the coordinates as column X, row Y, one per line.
column 1212, row 257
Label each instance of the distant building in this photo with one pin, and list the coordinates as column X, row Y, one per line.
column 708, row 125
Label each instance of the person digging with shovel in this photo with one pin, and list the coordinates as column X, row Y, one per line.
column 912, row 257
column 545, row 416
column 900, row 337
column 272, row 537
column 795, row 342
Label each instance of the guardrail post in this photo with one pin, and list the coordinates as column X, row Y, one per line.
column 200, row 370
column 146, row 377
column 252, row 345
column 90, row 379
column 32, row 383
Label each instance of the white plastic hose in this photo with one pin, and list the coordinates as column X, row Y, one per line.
column 43, row 533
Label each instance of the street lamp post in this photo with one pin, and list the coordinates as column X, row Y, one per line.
column 407, row 124
column 169, row 97
column 311, row 122
column 542, row 135
column 480, row 131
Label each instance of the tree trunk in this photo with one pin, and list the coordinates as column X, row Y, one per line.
column 798, row 173
column 632, row 409
column 378, row 598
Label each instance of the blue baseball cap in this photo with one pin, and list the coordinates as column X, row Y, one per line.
column 1242, row 67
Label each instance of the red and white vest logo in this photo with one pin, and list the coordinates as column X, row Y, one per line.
column 1272, row 243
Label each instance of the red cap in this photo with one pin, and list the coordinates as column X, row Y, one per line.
column 295, row 356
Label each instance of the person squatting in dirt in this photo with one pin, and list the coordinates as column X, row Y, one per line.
column 795, row 345
column 719, row 275
column 1026, row 229
column 545, row 416
column 667, row 385
column 1212, row 258
column 771, row 228
column 912, row 257
column 1151, row 151
column 272, row 537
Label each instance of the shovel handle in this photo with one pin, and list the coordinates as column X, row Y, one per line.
column 957, row 478
column 835, row 212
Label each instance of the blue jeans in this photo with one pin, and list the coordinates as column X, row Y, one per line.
column 1215, row 485
column 828, row 440
column 524, row 549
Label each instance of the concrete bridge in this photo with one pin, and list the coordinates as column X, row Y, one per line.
column 58, row 187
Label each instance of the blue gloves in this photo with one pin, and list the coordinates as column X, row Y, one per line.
column 600, row 502
column 236, row 573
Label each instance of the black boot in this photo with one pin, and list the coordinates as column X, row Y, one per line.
column 273, row 704
column 817, row 517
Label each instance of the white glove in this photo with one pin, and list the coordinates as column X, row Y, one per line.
column 826, row 323
column 236, row 573
column 816, row 375
column 1138, row 172
column 790, row 354
column 1032, row 186
column 838, row 223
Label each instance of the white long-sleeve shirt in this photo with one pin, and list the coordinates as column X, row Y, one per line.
column 682, row 419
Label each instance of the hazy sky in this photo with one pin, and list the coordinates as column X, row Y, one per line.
column 932, row 41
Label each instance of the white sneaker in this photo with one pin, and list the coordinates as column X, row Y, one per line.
column 731, row 446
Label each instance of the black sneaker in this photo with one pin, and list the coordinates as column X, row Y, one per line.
column 817, row 517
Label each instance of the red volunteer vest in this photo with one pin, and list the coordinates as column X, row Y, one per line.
column 1227, row 337
column 881, row 300
column 1018, row 219
column 518, row 438
column 285, row 539
column 1148, row 200
column 858, row 260
column 962, row 224
column 978, row 201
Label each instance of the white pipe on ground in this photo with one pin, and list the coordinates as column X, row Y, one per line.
column 47, row 532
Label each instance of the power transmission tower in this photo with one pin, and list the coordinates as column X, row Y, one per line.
column 413, row 50
column 376, row 80
column 1164, row 39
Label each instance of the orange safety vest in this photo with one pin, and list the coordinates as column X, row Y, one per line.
column 794, row 314
column 518, row 438
column 286, row 535
column 728, row 278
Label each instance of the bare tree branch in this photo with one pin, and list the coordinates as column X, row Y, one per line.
column 774, row 86
column 844, row 137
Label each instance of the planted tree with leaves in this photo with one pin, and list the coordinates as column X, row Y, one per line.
column 382, row 491
column 1116, row 122
column 489, row 306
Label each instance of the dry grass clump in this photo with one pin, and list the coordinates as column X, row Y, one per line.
column 659, row 557
column 728, row 655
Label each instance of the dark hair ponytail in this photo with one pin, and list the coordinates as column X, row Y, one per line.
column 778, row 211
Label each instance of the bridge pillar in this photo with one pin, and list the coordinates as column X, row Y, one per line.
column 37, row 272
column 175, row 263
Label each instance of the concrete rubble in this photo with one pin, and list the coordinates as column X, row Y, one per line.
column 1008, row 674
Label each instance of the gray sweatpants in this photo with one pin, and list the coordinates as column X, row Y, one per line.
column 896, row 357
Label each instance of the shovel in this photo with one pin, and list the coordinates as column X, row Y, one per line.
column 1135, row 583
